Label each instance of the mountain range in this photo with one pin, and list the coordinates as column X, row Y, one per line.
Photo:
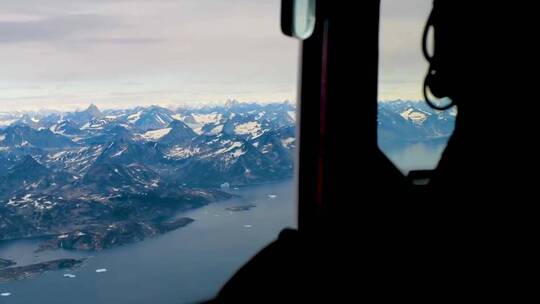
column 93, row 168
column 75, row 170
column 402, row 123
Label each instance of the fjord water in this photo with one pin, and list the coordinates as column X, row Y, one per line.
column 418, row 156
column 183, row 266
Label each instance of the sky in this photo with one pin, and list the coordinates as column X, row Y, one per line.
column 402, row 66
column 65, row 54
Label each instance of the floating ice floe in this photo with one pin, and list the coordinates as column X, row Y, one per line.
column 101, row 270
column 5, row 294
column 69, row 276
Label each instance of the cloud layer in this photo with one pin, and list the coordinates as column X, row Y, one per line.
column 67, row 53
column 117, row 53
column 401, row 65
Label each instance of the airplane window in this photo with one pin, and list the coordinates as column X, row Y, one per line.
column 147, row 148
column 410, row 133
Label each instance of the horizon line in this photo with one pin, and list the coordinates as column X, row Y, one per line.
column 79, row 107
column 172, row 106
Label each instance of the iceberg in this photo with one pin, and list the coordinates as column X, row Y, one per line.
column 101, row 270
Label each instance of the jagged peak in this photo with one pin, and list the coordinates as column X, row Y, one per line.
column 231, row 103
column 93, row 110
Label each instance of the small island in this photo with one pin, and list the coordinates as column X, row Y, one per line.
column 100, row 237
column 241, row 208
column 23, row 272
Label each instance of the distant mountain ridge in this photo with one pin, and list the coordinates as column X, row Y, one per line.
column 237, row 143
column 402, row 122
column 93, row 168
column 176, row 146
column 81, row 173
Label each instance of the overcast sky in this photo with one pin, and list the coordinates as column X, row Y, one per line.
column 401, row 65
column 118, row 53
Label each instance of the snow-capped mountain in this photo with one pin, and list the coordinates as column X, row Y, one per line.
column 238, row 143
column 176, row 133
column 406, row 122
column 96, row 168
column 151, row 118
column 25, row 136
